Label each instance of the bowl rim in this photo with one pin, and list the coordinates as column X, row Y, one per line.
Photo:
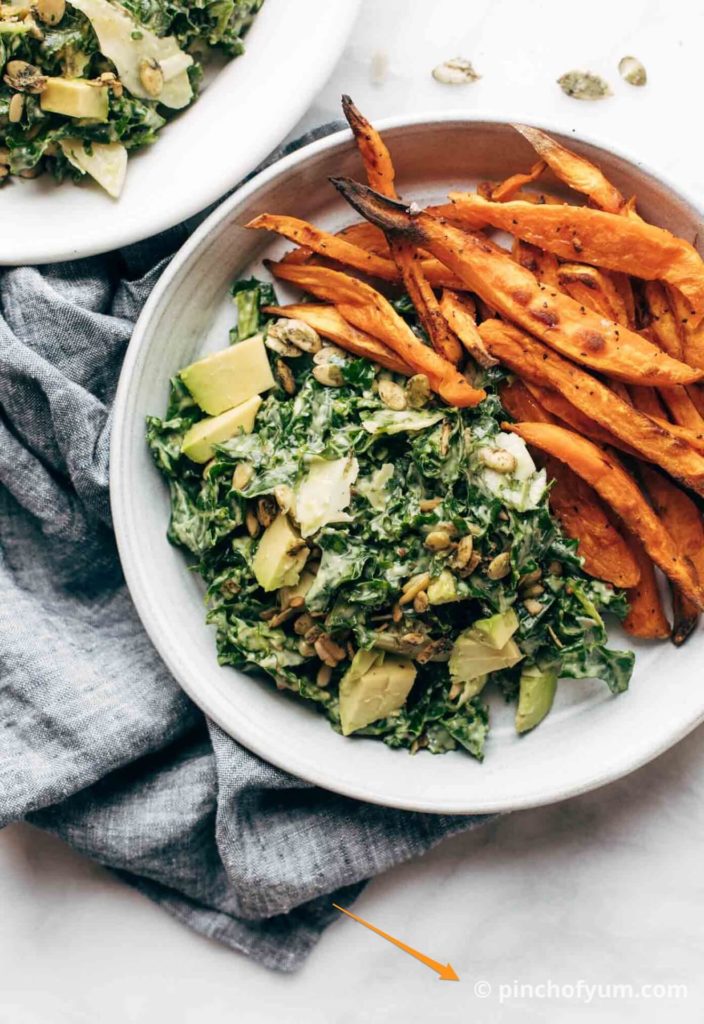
column 305, row 769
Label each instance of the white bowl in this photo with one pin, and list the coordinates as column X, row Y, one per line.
column 590, row 738
column 242, row 114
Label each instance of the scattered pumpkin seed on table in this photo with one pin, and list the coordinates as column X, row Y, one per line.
column 584, row 85
column 456, row 71
column 632, row 71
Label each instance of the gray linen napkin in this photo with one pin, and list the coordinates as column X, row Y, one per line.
column 99, row 745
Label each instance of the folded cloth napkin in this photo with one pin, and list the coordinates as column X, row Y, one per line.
column 99, row 744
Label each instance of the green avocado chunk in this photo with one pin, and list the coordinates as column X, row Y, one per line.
column 442, row 590
column 200, row 438
column 470, row 659
column 280, row 556
column 228, row 378
column 497, row 630
column 75, row 98
column 374, row 685
column 536, row 694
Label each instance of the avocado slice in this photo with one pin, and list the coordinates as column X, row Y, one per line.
column 442, row 590
column 497, row 630
column 471, row 659
column 537, row 692
column 374, row 685
column 199, row 440
column 227, row 378
column 280, row 556
column 75, row 98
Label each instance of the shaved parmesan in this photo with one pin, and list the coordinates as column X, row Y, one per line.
column 128, row 44
column 106, row 162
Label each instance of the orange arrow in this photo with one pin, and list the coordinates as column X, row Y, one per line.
column 446, row 972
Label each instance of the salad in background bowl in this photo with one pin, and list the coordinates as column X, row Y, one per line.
column 85, row 82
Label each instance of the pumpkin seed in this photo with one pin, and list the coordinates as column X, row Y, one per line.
column 456, row 71
column 242, row 475
column 151, row 76
column 438, row 540
column 498, row 459
column 16, row 108
column 584, row 85
column 418, row 391
column 50, row 11
column 632, row 71
column 500, row 566
column 393, row 396
column 24, row 77
column 296, row 334
column 329, row 374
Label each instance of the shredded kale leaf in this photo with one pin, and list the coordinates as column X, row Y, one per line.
column 418, row 471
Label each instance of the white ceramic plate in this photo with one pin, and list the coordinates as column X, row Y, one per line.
column 244, row 112
column 590, row 738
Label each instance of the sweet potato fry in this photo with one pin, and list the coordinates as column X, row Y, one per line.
column 694, row 439
column 537, row 363
column 377, row 159
column 543, row 264
column 621, row 493
column 662, row 319
column 495, row 277
column 370, row 312
column 696, row 393
column 603, row 239
column 508, row 188
column 646, row 616
column 576, row 505
column 342, row 251
column 682, row 409
column 594, row 289
column 459, row 312
column 691, row 330
column 366, row 236
column 569, row 415
column 573, row 170
column 326, row 320
column 646, row 400
column 445, row 343
column 622, row 284
column 683, row 521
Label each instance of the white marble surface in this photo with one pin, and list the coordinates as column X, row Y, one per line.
column 606, row 888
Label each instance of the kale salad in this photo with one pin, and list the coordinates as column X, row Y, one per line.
column 386, row 557
column 84, row 82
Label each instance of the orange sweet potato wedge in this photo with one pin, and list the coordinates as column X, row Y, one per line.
column 378, row 164
column 326, row 320
column 646, row 617
column 682, row 409
column 620, row 492
column 507, row 189
column 340, row 249
column 445, row 343
column 573, row 417
column 459, row 312
column 368, row 311
column 594, row 289
column 537, row 363
column 574, row 170
column 602, row 239
column 683, row 521
column 514, row 291
column 580, row 511
column 663, row 324
column 543, row 264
